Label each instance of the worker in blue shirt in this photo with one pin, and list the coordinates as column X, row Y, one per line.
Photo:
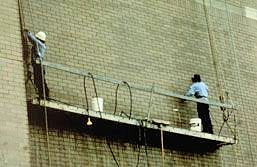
column 38, row 54
column 200, row 90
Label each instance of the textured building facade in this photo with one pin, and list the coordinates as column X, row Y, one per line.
column 14, row 120
column 161, row 43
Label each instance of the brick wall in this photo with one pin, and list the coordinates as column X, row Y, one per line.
column 145, row 42
column 14, row 150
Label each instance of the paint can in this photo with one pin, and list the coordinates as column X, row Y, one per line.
column 97, row 104
column 195, row 124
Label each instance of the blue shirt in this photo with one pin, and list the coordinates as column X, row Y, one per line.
column 199, row 88
column 40, row 46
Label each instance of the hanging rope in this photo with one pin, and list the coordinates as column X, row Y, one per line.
column 45, row 113
column 217, row 66
column 85, row 92
column 213, row 51
column 231, row 36
column 139, row 142
column 110, row 149
column 162, row 146
column 145, row 142
column 116, row 98
column 150, row 103
column 24, row 42
column 93, row 80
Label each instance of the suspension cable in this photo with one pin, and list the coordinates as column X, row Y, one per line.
column 238, row 75
column 44, row 93
column 110, row 148
column 212, row 49
column 217, row 65
column 45, row 113
column 139, row 143
column 24, row 44
column 162, row 146
column 21, row 16
column 145, row 142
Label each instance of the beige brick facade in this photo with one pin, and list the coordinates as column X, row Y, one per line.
column 14, row 138
column 142, row 42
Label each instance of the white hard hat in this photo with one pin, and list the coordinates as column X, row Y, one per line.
column 41, row 35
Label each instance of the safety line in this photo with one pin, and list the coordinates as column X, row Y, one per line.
column 212, row 49
column 22, row 23
column 220, row 78
column 238, row 75
column 45, row 114
column 162, row 146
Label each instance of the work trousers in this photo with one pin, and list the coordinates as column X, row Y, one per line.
column 204, row 114
column 37, row 74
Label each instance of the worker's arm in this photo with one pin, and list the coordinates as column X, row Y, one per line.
column 191, row 91
column 32, row 38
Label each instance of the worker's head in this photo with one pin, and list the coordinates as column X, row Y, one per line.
column 196, row 78
column 41, row 36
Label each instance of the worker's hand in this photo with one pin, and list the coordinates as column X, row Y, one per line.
column 25, row 30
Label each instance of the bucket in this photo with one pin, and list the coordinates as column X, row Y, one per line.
column 97, row 104
column 196, row 124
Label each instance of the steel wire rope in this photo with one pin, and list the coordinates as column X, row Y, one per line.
column 24, row 43
column 44, row 95
column 139, row 141
column 221, row 81
column 110, row 148
column 115, row 109
column 162, row 146
column 45, row 114
column 212, row 48
column 238, row 75
column 145, row 143
column 107, row 140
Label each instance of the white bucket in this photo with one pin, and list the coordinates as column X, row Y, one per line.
column 196, row 124
column 97, row 104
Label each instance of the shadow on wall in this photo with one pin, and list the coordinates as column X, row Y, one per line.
column 71, row 141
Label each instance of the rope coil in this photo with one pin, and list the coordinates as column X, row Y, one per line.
column 116, row 98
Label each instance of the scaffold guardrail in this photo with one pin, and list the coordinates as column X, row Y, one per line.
column 150, row 89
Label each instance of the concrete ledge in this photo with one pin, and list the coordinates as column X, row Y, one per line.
column 219, row 140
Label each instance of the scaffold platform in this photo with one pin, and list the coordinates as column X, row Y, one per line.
column 150, row 124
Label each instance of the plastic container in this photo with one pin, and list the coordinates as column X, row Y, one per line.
column 196, row 124
column 97, row 104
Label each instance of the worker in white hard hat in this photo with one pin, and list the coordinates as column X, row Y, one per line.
column 38, row 54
